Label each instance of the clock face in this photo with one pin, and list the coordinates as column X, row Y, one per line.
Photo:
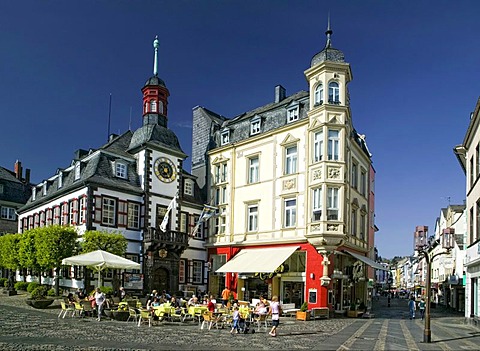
column 163, row 253
column 165, row 170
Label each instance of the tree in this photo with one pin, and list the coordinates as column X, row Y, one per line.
column 9, row 251
column 112, row 242
column 27, row 252
column 53, row 244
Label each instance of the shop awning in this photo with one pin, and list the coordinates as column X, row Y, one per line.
column 368, row 261
column 265, row 260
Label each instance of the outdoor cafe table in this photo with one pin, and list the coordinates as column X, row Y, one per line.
column 197, row 311
column 163, row 311
column 124, row 305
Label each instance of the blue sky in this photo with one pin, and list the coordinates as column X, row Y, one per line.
column 414, row 63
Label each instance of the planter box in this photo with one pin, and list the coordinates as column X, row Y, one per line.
column 117, row 315
column 303, row 316
column 44, row 303
column 352, row 314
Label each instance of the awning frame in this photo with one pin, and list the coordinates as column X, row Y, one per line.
column 367, row 261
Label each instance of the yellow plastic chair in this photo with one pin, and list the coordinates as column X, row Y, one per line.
column 133, row 315
column 79, row 309
column 145, row 317
column 65, row 310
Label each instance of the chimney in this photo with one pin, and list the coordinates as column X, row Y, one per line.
column 27, row 176
column 18, row 170
column 280, row 93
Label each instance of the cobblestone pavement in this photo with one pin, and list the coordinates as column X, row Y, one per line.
column 25, row 328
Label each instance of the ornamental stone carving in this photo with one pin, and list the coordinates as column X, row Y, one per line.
column 289, row 184
column 333, row 173
column 316, row 227
column 317, row 174
column 332, row 227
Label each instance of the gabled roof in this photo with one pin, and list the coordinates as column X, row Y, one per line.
column 155, row 135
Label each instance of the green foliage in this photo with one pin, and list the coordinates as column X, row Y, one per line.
column 40, row 292
column 32, row 286
column 27, row 251
column 362, row 306
column 304, row 307
column 21, row 286
column 51, row 292
column 107, row 290
column 9, row 251
column 53, row 244
column 4, row 282
column 353, row 307
column 114, row 243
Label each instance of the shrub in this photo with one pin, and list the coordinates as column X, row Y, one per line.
column 4, row 282
column 353, row 307
column 32, row 286
column 39, row 292
column 51, row 292
column 107, row 290
column 304, row 307
column 21, row 286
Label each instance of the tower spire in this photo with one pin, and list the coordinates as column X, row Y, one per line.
column 155, row 59
column 328, row 33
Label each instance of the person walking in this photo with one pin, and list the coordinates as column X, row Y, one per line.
column 236, row 320
column 274, row 311
column 225, row 296
column 99, row 300
column 421, row 307
column 412, row 307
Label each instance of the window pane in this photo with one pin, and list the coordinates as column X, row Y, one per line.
column 291, row 160
column 253, row 170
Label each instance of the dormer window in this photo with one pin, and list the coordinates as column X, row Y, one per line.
column 318, row 96
column 153, row 106
column 333, row 93
column 34, row 193
column 120, row 170
column 77, row 171
column 44, row 189
column 293, row 111
column 60, row 180
column 188, row 187
column 255, row 125
column 225, row 137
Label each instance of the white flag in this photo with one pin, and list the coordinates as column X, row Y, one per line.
column 207, row 212
column 172, row 205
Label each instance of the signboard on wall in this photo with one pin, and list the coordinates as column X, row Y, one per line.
column 312, row 295
column 133, row 281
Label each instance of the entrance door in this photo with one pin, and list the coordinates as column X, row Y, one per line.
column 293, row 292
column 161, row 280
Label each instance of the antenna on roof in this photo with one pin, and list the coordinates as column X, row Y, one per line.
column 109, row 115
column 130, row 123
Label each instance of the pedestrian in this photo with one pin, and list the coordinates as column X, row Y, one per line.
column 99, row 300
column 225, row 296
column 122, row 293
column 412, row 307
column 275, row 311
column 421, row 307
column 236, row 320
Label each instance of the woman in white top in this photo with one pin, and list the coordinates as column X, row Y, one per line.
column 99, row 300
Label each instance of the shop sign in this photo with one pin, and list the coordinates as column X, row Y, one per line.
column 133, row 281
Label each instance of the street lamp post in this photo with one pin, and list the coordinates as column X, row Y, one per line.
column 424, row 246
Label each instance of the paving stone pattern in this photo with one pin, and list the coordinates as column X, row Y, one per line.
column 25, row 328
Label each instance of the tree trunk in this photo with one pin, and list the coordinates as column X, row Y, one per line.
column 57, row 281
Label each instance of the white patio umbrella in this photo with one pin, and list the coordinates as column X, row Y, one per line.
column 100, row 260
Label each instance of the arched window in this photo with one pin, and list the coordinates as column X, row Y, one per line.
column 146, row 107
column 160, row 105
column 319, row 94
column 153, row 106
column 333, row 93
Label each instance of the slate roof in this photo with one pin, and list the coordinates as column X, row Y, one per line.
column 14, row 190
column 155, row 134
column 328, row 54
column 154, row 80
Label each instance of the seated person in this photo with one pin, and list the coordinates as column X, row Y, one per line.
column 154, row 303
column 193, row 301
column 71, row 299
column 260, row 308
column 210, row 305
column 214, row 301
column 80, row 294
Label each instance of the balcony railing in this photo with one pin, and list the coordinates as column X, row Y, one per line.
column 170, row 238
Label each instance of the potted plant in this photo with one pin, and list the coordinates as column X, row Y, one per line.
column 304, row 313
column 352, row 311
column 38, row 298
